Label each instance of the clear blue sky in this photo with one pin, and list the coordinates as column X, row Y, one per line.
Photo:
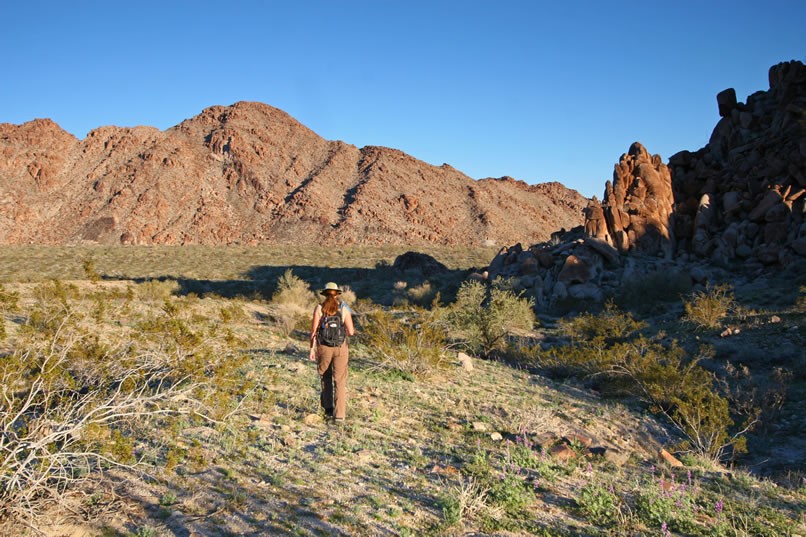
column 535, row 90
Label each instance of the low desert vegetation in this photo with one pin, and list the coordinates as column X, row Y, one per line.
column 607, row 349
column 137, row 407
column 706, row 309
column 483, row 317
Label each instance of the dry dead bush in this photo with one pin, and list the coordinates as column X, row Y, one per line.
column 71, row 400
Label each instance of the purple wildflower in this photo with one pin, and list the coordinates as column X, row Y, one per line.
column 589, row 469
column 542, row 454
column 689, row 478
column 652, row 470
column 611, row 489
column 718, row 509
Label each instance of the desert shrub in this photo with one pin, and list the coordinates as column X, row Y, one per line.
column 348, row 295
column 801, row 301
column 76, row 399
column 467, row 500
column 482, row 317
column 233, row 312
column 90, row 271
column 292, row 302
column 706, row 309
column 410, row 343
column 156, row 290
column 422, row 294
column 8, row 304
column 665, row 377
column 610, row 324
column 599, row 504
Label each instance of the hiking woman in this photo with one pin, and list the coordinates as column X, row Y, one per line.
column 332, row 323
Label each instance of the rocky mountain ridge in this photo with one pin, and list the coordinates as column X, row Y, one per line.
column 249, row 174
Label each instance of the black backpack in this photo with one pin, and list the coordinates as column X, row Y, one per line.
column 332, row 332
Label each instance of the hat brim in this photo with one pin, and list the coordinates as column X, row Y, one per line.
column 323, row 291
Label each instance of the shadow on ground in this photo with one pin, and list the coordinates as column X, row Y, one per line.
column 376, row 284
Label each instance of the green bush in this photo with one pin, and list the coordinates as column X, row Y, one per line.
column 8, row 304
column 657, row 504
column 512, row 493
column 89, row 270
column 482, row 317
column 599, row 504
column 610, row 324
column 665, row 377
column 706, row 309
column 157, row 290
column 410, row 343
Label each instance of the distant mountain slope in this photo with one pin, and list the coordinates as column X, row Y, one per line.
column 249, row 173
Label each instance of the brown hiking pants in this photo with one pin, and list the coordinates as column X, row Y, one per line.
column 333, row 370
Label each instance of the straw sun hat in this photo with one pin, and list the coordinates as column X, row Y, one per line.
column 330, row 286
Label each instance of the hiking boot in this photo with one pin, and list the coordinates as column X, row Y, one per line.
column 328, row 412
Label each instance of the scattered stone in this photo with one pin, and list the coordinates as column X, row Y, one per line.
column 609, row 253
column 453, row 426
column 480, row 427
column 729, row 332
column 312, row 419
column 547, row 439
column 465, row 361
column 444, row 470
column 666, row 457
column 496, row 436
column 775, row 319
column 586, row 291
column 289, row 440
column 296, row 367
column 616, row 456
column 291, row 349
column 584, row 441
column 562, row 452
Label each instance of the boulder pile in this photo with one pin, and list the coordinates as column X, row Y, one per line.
column 741, row 197
column 738, row 202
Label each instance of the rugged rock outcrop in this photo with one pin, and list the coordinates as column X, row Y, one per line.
column 741, row 197
column 738, row 201
column 249, row 173
column 637, row 207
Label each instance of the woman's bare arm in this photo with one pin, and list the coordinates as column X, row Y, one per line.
column 348, row 323
column 317, row 316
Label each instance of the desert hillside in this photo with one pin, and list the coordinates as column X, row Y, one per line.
column 251, row 174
